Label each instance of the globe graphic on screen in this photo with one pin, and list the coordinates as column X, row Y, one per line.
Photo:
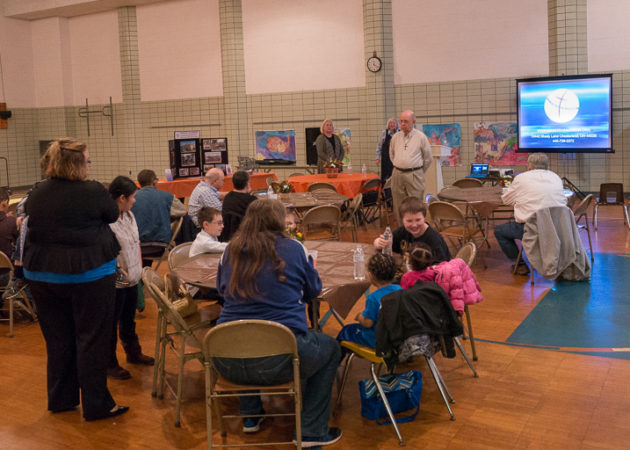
column 562, row 105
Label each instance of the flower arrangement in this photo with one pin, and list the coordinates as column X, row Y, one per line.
column 505, row 181
column 333, row 167
column 286, row 187
column 333, row 164
column 295, row 233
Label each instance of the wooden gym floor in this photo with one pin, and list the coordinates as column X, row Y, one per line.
column 526, row 396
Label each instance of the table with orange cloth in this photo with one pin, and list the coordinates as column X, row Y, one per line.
column 183, row 187
column 348, row 184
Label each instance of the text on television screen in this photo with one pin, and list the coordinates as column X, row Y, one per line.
column 569, row 114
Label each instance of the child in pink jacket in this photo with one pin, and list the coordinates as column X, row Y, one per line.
column 454, row 276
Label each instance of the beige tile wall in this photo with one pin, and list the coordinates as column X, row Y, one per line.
column 142, row 129
column 495, row 100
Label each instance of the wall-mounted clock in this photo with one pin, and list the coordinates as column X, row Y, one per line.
column 374, row 64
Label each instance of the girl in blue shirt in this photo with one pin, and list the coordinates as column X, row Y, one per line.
column 382, row 270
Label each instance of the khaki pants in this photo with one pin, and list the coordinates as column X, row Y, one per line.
column 406, row 184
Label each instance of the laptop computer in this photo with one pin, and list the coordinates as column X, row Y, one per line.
column 478, row 170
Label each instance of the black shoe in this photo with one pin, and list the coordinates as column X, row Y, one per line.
column 139, row 358
column 115, row 411
column 252, row 424
column 521, row 269
column 118, row 373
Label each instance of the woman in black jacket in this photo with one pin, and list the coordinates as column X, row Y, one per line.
column 70, row 259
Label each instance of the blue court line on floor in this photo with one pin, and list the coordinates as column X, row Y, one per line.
column 583, row 315
column 612, row 353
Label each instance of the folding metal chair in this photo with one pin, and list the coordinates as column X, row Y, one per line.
column 611, row 194
column 234, row 340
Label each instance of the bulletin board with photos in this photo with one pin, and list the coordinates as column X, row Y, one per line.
column 191, row 157
column 184, row 158
column 214, row 153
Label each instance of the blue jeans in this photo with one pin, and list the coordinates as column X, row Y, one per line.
column 354, row 332
column 506, row 234
column 320, row 356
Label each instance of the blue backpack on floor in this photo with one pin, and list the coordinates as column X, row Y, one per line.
column 403, row 391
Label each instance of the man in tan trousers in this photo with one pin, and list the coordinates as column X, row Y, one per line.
column 410, row 152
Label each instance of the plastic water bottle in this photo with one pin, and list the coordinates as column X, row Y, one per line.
column 364, row 171
column 359, row 264
column 349, row 167
column 387, row 250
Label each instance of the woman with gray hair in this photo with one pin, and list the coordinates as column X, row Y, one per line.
column 328, row 145
column 382, row 149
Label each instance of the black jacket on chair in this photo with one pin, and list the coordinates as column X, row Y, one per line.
column 422, row 309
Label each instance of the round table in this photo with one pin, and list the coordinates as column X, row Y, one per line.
column 348, row 184
column 485, row 199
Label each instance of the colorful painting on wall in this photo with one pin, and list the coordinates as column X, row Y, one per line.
column 448, row 135
column 275, row 145
column 344, row 136
column 495, row 143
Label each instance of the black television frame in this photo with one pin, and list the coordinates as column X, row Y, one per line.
column 601, row 150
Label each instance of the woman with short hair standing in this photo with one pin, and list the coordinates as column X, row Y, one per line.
column 70, row 259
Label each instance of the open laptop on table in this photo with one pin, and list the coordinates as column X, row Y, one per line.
column 478, row 170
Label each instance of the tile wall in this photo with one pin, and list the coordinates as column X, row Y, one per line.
column 142, row 129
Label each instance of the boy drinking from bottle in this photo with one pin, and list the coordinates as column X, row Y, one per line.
column 415, row 229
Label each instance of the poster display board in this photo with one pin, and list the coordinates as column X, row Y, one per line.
column 192, row 157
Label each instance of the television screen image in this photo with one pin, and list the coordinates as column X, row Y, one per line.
column 187, row 146
column 565, row 114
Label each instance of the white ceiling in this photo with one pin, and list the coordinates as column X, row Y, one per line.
column 40, row 9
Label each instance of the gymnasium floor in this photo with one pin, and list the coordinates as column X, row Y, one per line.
column 552, row 363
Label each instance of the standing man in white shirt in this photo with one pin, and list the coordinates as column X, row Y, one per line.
column 530, row 191
column 410, row 152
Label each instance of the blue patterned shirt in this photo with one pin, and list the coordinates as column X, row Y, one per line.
column 203, row 195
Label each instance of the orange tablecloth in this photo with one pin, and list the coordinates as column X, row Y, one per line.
column 348, row 184
column 183, row 187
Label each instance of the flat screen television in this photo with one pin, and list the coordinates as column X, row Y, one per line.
column 568, row 114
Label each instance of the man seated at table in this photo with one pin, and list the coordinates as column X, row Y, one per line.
column 235, row 204
column 535, row 189
column 153, row 211
column 206, row 193
column 415, row 229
